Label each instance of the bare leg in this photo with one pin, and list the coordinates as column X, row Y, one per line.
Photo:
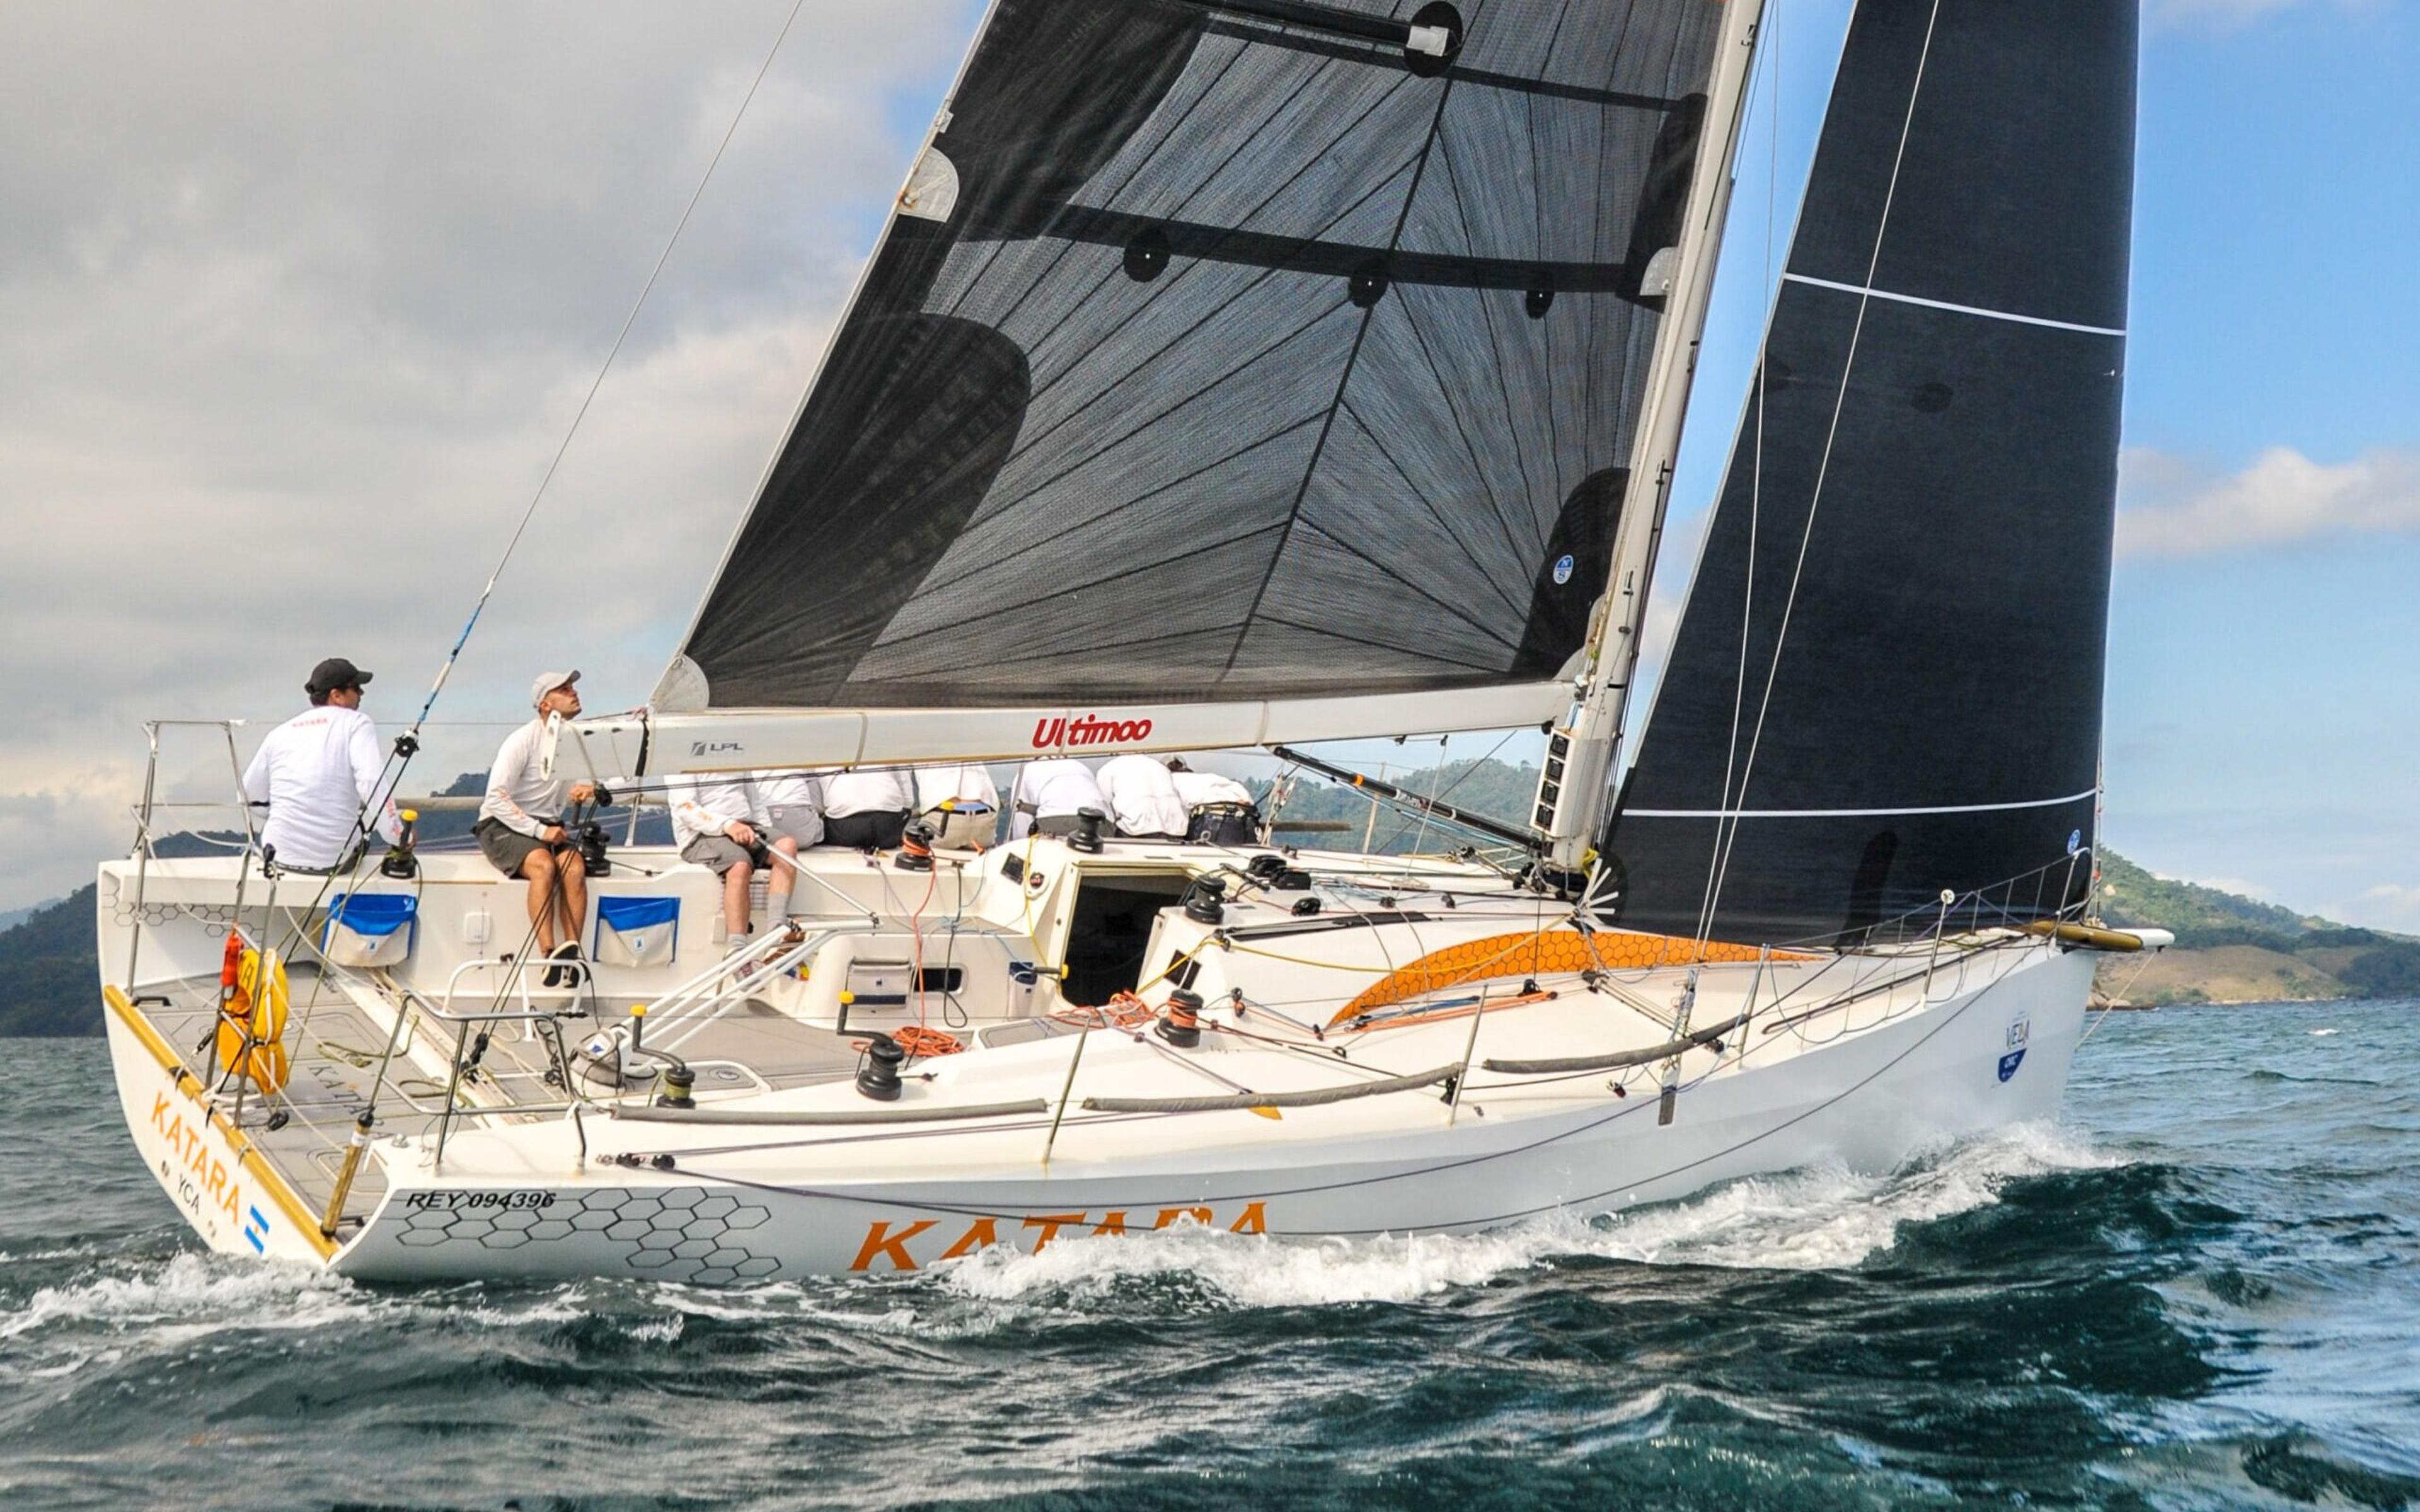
column 538, row 866
column 776, row 900
column 572, row 902
column 735, row 898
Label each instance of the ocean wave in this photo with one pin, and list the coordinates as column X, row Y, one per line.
column 1818, row 1218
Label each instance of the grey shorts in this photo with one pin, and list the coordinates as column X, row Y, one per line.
column 505, row 847
column 798, row 823
column 718, row 854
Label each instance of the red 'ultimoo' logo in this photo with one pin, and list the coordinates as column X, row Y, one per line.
column 1089, row 732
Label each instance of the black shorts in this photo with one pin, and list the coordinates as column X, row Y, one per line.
column 877, row 830
column 506, row 848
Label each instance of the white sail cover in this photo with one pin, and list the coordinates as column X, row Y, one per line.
column 1224, row 358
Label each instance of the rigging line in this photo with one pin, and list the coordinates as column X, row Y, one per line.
column 529, row 514
column 1831, row 434
column 1495, row 347
column 1176, row 121
column 1002, row 559
column 1756, row 473
column 1112, row 386
column 1110, row 335
column 1538, row 230
column 1444, row 527
column 1276, row 558
column 1446, row 790
column 1453, row 411
column 1489, row 669
column 1024, row 605
column 1181, row 118
column 1384, row 571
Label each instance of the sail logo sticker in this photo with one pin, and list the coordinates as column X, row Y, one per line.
column 1089, row 731
column 255, row 1230
column 714, row 748
column 1562, row 569
column 886, row 1240
column 2021, row 1030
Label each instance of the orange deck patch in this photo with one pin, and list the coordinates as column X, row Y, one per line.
column 1540, row 953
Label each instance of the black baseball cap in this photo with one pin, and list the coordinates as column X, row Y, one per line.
column 334, row 674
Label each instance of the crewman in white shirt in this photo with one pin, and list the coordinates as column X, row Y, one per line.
column 866, row 810
column 719, row 824
column 1050, row 791
column 1143, row 799
column 960, row 803
column 793, row 820
column 318, row 774
column 519, row 828
column 1219, row 809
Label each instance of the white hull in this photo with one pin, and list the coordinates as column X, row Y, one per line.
column 1899, row 1050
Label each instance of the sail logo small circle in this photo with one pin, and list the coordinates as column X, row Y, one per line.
column 1562, row 569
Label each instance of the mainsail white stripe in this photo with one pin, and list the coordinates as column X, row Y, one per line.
column 1849, row 813
column 1943, row 305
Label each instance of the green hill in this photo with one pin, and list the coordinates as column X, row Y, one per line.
column 2199, row 915
column 2228, row 947
column 2231, row 949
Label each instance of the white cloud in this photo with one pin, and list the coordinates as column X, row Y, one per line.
column 2168, row 507
column 2391, row 907
column 296, row 302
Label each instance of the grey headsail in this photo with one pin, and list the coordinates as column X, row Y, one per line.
column 1249, row 357
column 1887, row 678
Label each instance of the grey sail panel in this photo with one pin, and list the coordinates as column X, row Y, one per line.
column 1887, row 678
column 1250, row 363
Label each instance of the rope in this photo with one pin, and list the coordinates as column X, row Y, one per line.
column 1726, row 839
column 447, row 669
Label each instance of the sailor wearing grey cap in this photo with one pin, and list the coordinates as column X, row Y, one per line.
column 520, row 831
column 317, row 775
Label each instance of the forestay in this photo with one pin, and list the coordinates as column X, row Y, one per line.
column 1212, row 357
column 1887, row 680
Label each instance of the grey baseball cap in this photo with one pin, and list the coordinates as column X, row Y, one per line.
column 547, row 683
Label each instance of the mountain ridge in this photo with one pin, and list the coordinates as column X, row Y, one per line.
column 2229, row 947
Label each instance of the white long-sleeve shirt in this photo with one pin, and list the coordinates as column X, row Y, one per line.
column 1198, row 788
column 1142, row 800
column 788, row 790
column 967, row 785
column 856, row 793
column 517, row 795
column 317, row 772
column 708, row 805
column 1052, row 786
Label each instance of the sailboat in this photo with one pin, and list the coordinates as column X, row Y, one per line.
column 1235, row 374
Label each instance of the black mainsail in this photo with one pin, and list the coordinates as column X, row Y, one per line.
column 1254, row 358
column 1887, row 677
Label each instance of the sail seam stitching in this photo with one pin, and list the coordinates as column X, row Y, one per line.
column 1344, row 382
column 1958, row 309
column 1852, row 814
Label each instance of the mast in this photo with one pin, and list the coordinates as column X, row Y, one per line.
column 1574, row 787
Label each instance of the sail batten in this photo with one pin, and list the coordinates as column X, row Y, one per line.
column 1247, row 362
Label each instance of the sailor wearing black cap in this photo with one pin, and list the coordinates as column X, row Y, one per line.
column 317, row 775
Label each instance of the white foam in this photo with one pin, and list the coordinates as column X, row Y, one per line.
column 190, row 1295
column 1825, row 1218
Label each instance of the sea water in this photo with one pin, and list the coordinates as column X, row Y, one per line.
column 2198, row 1290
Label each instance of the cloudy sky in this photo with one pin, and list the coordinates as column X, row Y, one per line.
column 296, row 303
